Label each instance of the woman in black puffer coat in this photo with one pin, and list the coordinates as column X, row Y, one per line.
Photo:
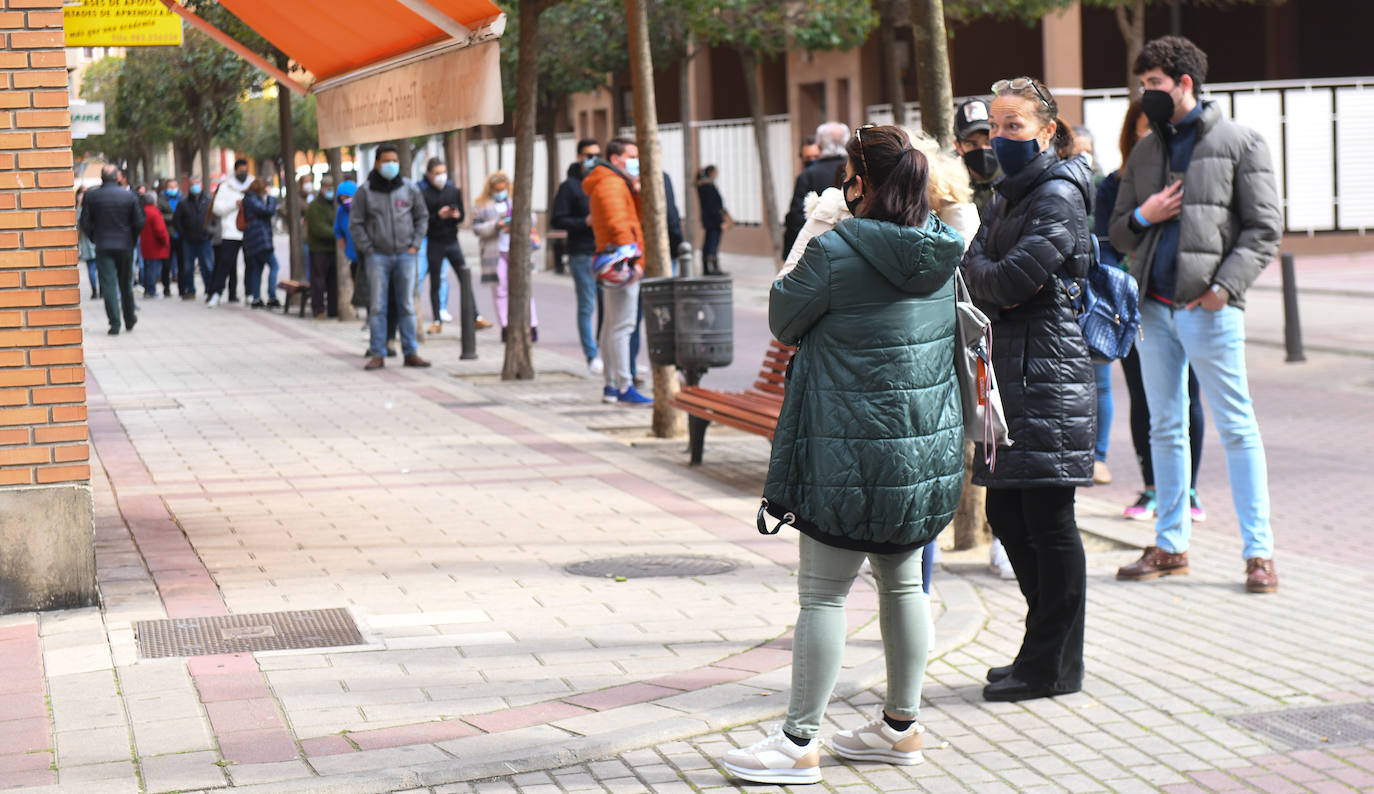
column 1035, row 240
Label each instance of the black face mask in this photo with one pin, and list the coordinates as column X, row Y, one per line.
column 240, row 175
column 982, row 163
column 852, row 204
column 1158, row 107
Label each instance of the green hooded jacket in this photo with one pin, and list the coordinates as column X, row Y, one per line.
column 868, row 451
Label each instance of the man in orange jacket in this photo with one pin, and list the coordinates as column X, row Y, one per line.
column 612, row 187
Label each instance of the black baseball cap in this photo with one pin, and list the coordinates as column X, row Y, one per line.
column 971, row 117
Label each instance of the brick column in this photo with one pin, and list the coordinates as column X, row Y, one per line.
column 47, row 550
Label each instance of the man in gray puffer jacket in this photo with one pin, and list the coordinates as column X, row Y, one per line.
column 1199, row 211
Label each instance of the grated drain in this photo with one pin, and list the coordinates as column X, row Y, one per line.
column 1319, row 726
column 642, row 566
column 267, row 631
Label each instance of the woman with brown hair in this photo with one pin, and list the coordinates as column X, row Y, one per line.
column 1133, row 128
column 867, row 459
column 1034, row 242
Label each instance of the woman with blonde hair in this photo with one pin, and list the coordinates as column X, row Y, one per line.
column 491, row 221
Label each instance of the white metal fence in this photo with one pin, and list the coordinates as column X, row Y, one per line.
column 1318, row 132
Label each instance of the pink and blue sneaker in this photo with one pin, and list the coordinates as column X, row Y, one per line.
column 1144, row 507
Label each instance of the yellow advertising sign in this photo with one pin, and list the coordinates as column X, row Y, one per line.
column 120, row 23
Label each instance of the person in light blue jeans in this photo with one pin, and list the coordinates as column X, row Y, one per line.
column 1103, row 373
column 392, row 277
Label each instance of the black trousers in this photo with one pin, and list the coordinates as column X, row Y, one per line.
column 435, row 254
column 171, row 268
column 1038, row 530
column 1140, row 419
column 226, row 267
column 324, row 283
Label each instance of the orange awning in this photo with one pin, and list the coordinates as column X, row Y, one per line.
column 331, row 38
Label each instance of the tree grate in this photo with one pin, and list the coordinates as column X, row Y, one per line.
column 1316, row 727
column 268, row 631
column 642, row 566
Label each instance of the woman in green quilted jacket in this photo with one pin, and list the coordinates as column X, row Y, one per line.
column 867, row 458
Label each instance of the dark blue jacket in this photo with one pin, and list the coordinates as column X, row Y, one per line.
column 257, row 237
column 570, row 210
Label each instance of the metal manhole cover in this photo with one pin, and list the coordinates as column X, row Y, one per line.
column 268, row 631
column 1320, row 726
column 639, row 567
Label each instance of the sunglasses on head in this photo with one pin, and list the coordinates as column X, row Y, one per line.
column 1020, row 84
column 859, row 133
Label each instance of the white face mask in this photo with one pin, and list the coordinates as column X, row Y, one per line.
column 439, row 180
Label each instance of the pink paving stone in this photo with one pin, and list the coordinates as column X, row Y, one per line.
column 525, row 716
column 17, row 632
column 326, row 745
column 423, row 733
column 24, row 762
column 700, row 679
column 37, row 777
column 1184, row 788
column 620, row 696
column 222, row 664
column 210, row 606
column 233, row 716
column 1352, row 776
column 1316, row 759
column 21, row 683
column 1298, row 772
column 759, row 660
column 231, row 686
column 1328, row 787
column 1216, row 781
column 24, row 736
column 22, row 705
column 257, row 747
column 1273, row 784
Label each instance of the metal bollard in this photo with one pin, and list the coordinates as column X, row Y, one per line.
column 1292, row 326
column 684, row 259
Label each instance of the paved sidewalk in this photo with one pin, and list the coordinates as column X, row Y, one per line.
column 247, row 464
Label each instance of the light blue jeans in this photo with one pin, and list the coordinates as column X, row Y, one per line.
column 823, row 581
column 1214, row 343
column 1104, row 410
column 585, row 283
column 391, row 277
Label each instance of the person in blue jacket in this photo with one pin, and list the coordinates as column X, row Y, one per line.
column 345, row 196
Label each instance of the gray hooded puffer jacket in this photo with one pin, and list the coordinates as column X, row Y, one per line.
column 1231, row 220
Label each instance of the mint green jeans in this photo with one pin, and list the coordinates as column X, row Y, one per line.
column 823, row 582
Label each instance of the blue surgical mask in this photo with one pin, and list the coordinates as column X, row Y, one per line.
column 500, row 195
column 172, row 194
column 1014, row 155
column 195, row 190
column 588, row 165
column 327, row 194
column 632, row 166
column 389, row 170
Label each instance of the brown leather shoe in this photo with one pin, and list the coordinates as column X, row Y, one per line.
column 414, row 360
column 1260, row 576
column 1154, row 563
column 481, row 324
column 376, row 362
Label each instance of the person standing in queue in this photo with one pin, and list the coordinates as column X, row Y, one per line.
column 1034, row 242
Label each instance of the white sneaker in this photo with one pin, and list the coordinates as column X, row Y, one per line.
column 776, row 759
column 877, row 741
column 596, row 366
column 445, row 316
column 213, row 302
column 998, row 564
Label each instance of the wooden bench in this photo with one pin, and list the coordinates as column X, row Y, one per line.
column 293, row 288
column 753, row 410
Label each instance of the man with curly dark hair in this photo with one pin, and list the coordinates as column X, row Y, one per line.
column 1199, row 211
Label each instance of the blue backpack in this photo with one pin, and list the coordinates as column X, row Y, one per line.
column 1107, row 304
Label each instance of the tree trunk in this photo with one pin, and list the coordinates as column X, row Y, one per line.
column 344, row 282
column 667, row 422
column 892, row 71
column 519, row 364
column 933, row 88
column 618, row 119
column 970, row 518
column 1131, row 24
column 288, row 176
column 753, row 83
column 405, row 156
column 688, row 178
column 203, row 141
column 548, row 127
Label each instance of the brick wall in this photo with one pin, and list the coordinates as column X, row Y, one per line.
column 43, row 434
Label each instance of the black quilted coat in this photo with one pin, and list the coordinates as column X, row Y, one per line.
column 1034, row 238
